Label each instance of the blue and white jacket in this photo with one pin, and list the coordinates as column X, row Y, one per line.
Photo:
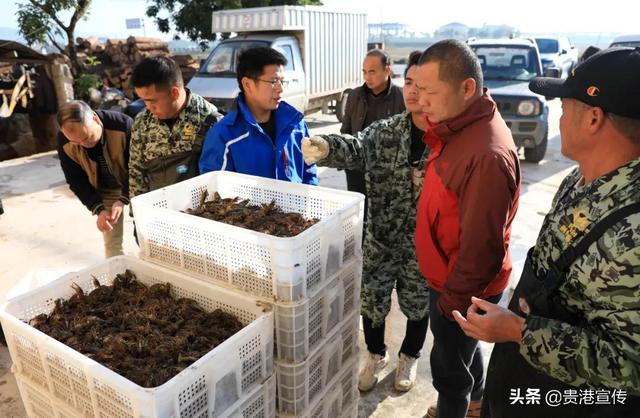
column 237, row 143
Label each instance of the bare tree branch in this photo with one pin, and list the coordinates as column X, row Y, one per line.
column 53, row 41
column 47, row 11
column 50, row 14
column 79, row 12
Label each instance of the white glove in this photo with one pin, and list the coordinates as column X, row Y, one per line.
column 314, row 149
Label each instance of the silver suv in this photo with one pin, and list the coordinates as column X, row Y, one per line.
column 632, row 41
column 557, row 52
column 508, row 65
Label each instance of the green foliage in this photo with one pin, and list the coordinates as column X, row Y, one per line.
column 35, row 24
column 47, row 21
column 93, row 61
column 192, row 18
column 86, row 81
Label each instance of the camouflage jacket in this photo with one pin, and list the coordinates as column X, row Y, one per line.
column 152, row 138
column 602, row 286
column 382, row 152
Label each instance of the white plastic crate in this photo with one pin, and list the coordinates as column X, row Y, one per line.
column 301, row 326
column 340, row 402
column 209, row 386
column 301, row 384
column 260, row 403
column 285, row 269
column 350, row 411
column 338, row 398
column 40, row 405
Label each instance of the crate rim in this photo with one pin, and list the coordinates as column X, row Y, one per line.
column 108, row 373
column 358, row 196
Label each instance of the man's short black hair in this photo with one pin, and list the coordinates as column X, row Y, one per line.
column 414, row 58
column 252, row 62
column 385, row 59
column 157, row 71
column 457, row 62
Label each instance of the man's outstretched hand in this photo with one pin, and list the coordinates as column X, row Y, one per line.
column 495, row 325
column 314, row 149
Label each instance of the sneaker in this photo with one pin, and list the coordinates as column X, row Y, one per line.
column 473, row 412
column 406, row 373
column 373, row 364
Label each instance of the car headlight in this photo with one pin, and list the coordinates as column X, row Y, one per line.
column 528, row 108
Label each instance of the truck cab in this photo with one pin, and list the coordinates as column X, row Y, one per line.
column 507, row 67
column 216, row 81
column 323, row 48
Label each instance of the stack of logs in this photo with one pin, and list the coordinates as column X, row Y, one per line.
column 119, row 56
column 5, row 69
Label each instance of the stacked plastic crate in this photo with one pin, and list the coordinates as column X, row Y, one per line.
column 311, row 281
column 234, row 379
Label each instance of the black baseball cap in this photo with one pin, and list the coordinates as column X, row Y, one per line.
column 609, row 79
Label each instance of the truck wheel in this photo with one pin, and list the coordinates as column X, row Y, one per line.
column 341, row 106
column 535, row 155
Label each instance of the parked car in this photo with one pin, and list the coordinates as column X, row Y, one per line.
column 324, row 50
column 557, row 52
column 508, row 65
column 398, row 67
column 626, row 40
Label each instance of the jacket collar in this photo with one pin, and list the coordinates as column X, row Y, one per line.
column 482, row 107
column 624, row 179
column 285, row 114
column 385, row 93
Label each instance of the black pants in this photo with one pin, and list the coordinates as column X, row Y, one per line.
column 414, row 337
column 456, row 363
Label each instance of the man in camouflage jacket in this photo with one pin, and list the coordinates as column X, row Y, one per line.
column 174, row 119
column 392, row 156
column 577, row 329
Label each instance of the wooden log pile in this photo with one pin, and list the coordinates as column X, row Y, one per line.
column 188, row 65
column 118, row 57
column 5, row 69
column 134, row 49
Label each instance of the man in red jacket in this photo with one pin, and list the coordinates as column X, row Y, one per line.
column 463, row 226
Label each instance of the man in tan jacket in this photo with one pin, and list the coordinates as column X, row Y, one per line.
column 93, row 147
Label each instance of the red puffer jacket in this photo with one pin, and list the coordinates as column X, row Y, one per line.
column 468, row 201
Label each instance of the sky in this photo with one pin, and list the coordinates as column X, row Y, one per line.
column 531, row 16
column 107, row 17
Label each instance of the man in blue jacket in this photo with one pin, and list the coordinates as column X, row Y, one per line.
column 262, row 136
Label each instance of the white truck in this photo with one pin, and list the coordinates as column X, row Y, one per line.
column 324, row 50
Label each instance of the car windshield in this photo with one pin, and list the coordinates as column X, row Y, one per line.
column 632, row 44
column 501, row 62
column 222, row 61
column 547, row 46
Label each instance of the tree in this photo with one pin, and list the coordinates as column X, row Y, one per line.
column 41, row 21
column 193, row 17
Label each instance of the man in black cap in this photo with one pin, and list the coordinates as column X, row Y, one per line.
column 568, row 346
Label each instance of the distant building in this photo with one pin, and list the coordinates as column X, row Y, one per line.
column 494, row 31
column 385, row 30
column 453, row 30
